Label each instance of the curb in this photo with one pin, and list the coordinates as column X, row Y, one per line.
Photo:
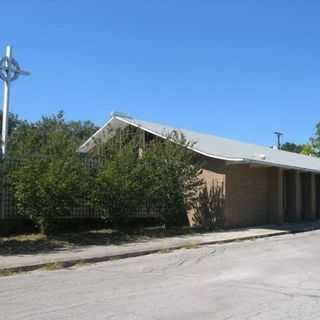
column 63, row 264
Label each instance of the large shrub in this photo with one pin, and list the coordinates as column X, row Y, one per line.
column 161, row 176
column 118, row 191
column 173, row 176
column 50, row 178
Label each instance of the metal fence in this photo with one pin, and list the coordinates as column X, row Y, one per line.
column 84, row 210
column 7, row 199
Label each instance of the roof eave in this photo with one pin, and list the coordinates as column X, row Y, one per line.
column 90, row 143
column 137, row 125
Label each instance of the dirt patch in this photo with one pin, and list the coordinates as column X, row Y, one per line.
column 29, row 244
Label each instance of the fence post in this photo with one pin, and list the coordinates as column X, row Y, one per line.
column 2, row 190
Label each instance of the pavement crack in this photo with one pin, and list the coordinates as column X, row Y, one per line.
column 287, row 294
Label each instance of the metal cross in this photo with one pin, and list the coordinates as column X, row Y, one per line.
column 9, row 71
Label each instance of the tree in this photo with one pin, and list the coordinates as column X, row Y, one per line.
column 172, row 177
column 118, row 191
column 315, row 141
column 50, row 178
column 163, row 177
column 292, row 147
column 27, row 137
column 308, row 150
column 13, row 122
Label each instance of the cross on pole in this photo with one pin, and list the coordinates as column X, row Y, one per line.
column 9, row 71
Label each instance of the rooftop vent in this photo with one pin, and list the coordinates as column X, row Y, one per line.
column 260, row 156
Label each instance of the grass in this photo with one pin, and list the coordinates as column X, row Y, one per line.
column 38, row 243
column 53, row 266
column 165, row 251
column 8, row 272
column 81, row 263
column 190, row 245
column 29, row 244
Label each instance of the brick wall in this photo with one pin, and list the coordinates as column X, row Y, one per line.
column 213, row 171
column 247, row 196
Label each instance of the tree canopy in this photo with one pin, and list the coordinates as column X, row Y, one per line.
column 32, row 137
column 292, row 147
column 49, row 179
column 162, row 176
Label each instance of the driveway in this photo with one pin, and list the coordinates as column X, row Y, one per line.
column 271, row 278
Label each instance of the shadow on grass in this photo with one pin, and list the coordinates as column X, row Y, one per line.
column 34, row 245
column 30, row 244
column 37, row 243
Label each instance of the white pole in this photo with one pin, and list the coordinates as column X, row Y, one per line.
column 5, row 110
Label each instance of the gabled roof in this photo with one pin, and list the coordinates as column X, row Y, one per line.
column 211, row 146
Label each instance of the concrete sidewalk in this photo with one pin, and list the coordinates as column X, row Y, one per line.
column 133, row 249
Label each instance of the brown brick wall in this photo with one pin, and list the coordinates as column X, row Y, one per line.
column 213, row 171
column 247, row 195
column 263, row 195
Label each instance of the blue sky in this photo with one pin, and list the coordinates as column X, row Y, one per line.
column 238, row 69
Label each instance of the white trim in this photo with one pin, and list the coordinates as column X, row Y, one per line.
column 87, row 142
column 273, row 164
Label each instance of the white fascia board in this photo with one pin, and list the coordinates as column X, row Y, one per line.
column 283, row 166
column 89, row 144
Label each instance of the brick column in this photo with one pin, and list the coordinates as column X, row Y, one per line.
column 318, row 196
column 313, row 199
column 308, row 196
column 297, row 196
column 276, row 196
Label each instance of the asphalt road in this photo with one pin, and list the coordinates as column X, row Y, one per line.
column 274, row 278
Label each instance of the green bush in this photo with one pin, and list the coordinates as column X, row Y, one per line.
column 161, row 176
column 129, row 175
column 51, row 178
column 173, row 177
column 118, row 191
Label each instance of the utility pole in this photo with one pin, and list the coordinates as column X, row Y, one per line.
column 279, row 135
column 9, row 71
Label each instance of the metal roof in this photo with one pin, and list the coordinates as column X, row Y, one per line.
column 211, row 146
